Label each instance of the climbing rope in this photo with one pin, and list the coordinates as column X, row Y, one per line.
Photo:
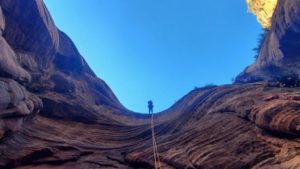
column 155, row 150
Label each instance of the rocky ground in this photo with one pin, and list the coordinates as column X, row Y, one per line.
column 55, row 113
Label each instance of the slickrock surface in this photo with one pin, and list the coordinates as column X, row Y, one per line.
column 55, row 113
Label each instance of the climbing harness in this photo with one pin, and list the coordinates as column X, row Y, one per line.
column 157, row 163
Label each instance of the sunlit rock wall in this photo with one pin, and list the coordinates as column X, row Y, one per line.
column 263, row 9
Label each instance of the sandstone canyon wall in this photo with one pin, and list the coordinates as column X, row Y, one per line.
column 280, row 50
column 55, row 113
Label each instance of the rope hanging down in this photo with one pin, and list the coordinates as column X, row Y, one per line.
column 155, row 151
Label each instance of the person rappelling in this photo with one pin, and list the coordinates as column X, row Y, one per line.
column 150, row 106
column 157, row 163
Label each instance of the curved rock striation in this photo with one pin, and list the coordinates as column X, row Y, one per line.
column 55, row 112
column 16, row 105
column 234, row 131
column 29, row 27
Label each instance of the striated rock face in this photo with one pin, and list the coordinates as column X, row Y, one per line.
column 55, row 113
column 46, row 62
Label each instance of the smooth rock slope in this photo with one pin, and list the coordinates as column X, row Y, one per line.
column 55, row 113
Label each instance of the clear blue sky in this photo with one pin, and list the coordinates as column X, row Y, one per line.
column 159, row 49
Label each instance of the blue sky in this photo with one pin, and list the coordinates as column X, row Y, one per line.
column 159, row 49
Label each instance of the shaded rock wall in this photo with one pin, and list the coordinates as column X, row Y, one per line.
column 46, row 62
column 279, row 55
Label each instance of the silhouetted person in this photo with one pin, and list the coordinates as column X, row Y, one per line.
column 150, row 106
